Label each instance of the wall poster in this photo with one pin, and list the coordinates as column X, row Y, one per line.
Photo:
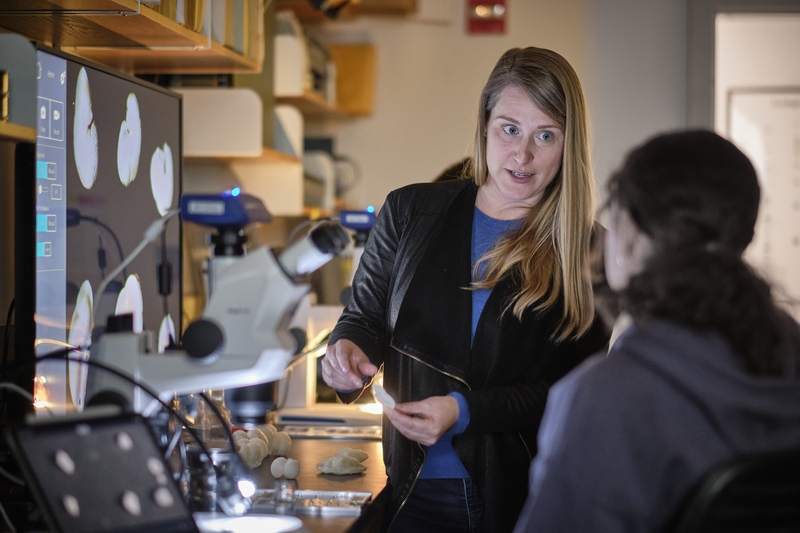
column 765, row 125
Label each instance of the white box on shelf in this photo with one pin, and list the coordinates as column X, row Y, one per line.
column 288, row 131
column 290, row 66
column 214, row 20
column 320, row 166
column 221, row 122
column 279, row 184
column 291, row 55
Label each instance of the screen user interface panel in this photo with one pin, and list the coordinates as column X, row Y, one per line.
column 108, row 158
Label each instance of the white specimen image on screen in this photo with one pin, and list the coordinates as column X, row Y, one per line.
column 84, row 132
column 130, row 302
column 80, row 336
column 161, row 172
column 166, row 333
column 129, row 147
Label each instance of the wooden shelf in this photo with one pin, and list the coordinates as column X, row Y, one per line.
column 121, row 34
column 315, row 213
column 10, row 131
column 267, row 154
column 312, row 106
column 308, row 13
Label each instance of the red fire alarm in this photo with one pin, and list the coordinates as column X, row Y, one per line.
column 486, row 16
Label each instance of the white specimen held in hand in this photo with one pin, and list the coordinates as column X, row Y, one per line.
column 383, row 397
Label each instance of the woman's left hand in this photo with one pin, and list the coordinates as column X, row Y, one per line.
column 424, row 421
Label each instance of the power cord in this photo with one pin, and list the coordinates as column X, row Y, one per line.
column 63, row 354
column 227, row 481
column 319, row 342
column 7, row 334
column 13, row 387
column 6, row 339
column 7, row 520
column 151, row 234
column 60, row 354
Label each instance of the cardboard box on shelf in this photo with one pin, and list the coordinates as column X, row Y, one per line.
column 355, row 77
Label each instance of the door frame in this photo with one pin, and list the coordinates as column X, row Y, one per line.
column 701, row 50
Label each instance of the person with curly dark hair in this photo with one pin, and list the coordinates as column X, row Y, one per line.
column 709, row 369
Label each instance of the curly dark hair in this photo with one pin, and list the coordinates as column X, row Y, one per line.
column 696, row 196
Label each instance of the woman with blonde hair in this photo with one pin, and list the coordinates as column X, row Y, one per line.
column 474, row 295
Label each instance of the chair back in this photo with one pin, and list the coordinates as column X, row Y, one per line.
column 757, row 493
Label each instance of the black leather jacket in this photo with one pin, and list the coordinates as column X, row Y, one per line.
column 419, row 328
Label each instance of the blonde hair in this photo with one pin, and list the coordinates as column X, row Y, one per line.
column 552, row 246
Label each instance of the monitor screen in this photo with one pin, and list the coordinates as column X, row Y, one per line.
column 108, row 163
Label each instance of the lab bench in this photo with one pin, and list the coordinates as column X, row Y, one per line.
column 310, row 452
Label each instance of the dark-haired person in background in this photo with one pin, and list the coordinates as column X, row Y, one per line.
column 709, row 370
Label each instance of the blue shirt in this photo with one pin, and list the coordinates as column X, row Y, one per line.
column 442, row 461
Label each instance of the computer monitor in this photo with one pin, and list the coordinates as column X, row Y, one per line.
column 107, row 164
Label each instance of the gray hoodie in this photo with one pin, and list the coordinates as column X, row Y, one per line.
column 626, row 436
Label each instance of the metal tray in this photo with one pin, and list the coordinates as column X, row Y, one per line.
column 333, row 432
column 315, row 502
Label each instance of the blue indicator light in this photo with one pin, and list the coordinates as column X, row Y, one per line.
column 235, row 191
column 370, row 209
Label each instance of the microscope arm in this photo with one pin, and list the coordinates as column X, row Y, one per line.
column 252, row 305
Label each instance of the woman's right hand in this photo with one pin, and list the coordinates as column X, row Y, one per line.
column 345, row 365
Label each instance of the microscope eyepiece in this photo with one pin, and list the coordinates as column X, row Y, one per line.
column 317, row 248
column 329, row 238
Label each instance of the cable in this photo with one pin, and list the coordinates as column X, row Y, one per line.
column 236, row 462
column 322, row 342
column 152, row 232
column 19, row 390
column 59, row 354
column 164, row 261
column 285, row 396
column 101, row 254
column 7, row 520
column 11, row 477
column 7, row 334
column 302, row 355
column 171, row 445
column 103, row 225
column 13, row 387
column 5, row 350
column 176, row 438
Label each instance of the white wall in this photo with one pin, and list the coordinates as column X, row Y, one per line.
column 428, row 79
column 637, row 75
column 630, row 55
column 756, row 51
